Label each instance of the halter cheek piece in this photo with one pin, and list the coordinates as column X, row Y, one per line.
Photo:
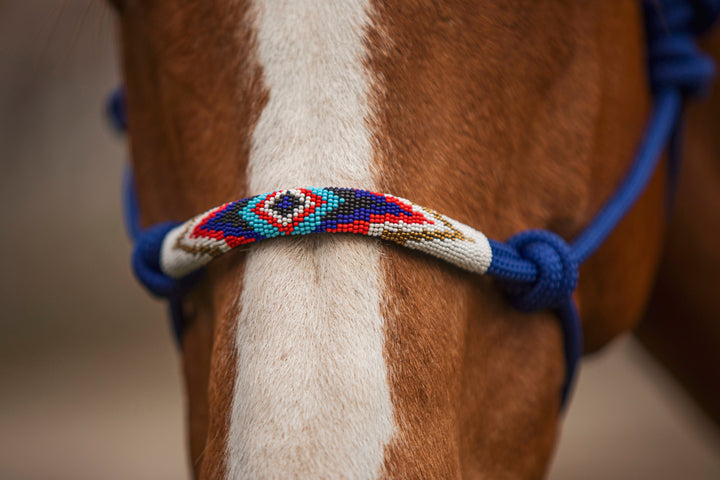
column 537, row 269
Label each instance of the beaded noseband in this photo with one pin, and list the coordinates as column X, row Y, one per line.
column 301, row 211
column 537, row 269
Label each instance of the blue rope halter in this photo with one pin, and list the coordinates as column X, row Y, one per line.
column 537, row 268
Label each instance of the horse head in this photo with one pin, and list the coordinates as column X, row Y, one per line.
column 342, row 356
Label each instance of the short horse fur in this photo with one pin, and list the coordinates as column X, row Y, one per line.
column 336, row 357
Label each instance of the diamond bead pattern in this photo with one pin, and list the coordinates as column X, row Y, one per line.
column 303, row 211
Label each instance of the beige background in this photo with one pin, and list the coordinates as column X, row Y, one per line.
column 89, row 381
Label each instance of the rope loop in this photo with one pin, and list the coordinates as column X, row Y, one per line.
column 675, row 61
column 146, row 261
column 557, row 271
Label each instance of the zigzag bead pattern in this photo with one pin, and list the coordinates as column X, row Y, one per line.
column 303, row 211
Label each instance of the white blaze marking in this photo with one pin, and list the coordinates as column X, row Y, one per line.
column 311, row 398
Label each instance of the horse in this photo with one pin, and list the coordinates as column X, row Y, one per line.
column 345, row 357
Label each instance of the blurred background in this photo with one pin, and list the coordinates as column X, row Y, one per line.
column 89, row 376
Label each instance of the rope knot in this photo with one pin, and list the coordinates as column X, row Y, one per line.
column 557, row 271
column 675, row 61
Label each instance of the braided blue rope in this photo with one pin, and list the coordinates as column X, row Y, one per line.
column 537, row 268
column 147, row 241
